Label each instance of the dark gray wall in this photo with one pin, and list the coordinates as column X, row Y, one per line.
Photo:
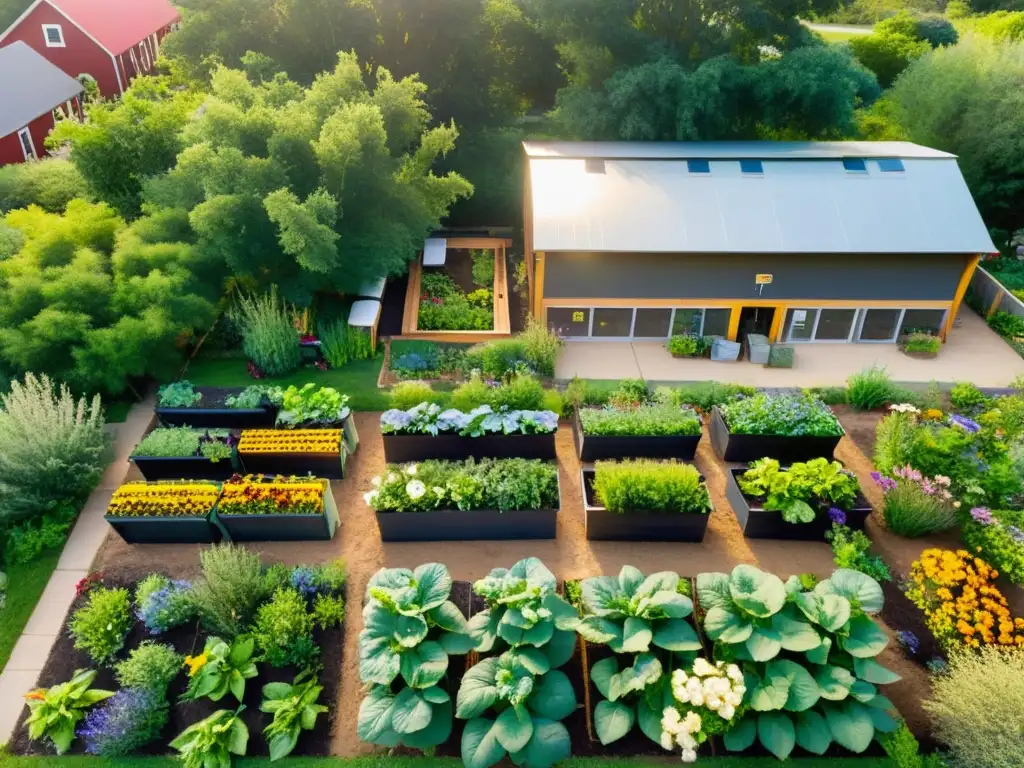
column 731, row 276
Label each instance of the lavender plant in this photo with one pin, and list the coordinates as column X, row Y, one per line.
column 162, row 604
column 128, row 720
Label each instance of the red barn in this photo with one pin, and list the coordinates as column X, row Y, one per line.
column 31, row 88
column 112, row 40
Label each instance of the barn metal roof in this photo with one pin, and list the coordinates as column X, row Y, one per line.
column 640, row 197
column 30, row 86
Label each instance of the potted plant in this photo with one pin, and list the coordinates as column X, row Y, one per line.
column 788, row 427
column 181, row 404
column 316, row 452
column 490, row 499
column 801, row 501
column 268, row 508
column 427, row 431
column 688, row 345
column 645, row 500
column 171, row 453
column 920, row 344
column 313, row 407
column 655, row 430
column 164, row 512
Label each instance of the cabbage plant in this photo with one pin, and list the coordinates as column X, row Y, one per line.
column 527, row 699
column 410, row 629
column 807, row 657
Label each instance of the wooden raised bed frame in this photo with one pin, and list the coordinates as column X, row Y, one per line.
column 786, row 448
column 401, row 449
column 597, row 447
column 603, row 525
column 283, row 527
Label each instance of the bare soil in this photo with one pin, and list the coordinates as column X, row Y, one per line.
column 860, row 426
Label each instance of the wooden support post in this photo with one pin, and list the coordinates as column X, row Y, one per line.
column 777, row 324
column 994, row 306
column 734, row 323
column 538, row 288
column 961, row 289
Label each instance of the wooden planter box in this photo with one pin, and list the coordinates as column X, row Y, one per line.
column 401, row 449
column 230, row 418
column 183, row 468
column 757, row 523
column 165, row 530
column 478, row 525
column 597, row 447
column 330, row 466
column 787, row 449
column 282, row 527
column 603, row 525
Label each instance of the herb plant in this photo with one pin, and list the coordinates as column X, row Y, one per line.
column 310, row 406
column 328, row 611
column 211, row 742
column 283, row 631
column 269, row 338
column 851, row 549
column 54, row 712
column 162, row 604
column 127, row 721
column 221, row 668
column 169, row 442
column 869, row 389
column 999, row 538
column 702, row 395
column 150, row 666
column 295, row 709
column 230, row 588
column 793, row 490
column 785, row 415
column 644, row 485
column 180, row 394
column 250, row 398
column 646, row 420
column 410, row 629
column 102, row 624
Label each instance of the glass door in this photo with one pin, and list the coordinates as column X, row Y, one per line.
column 879, row 325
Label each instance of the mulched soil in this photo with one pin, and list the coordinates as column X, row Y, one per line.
column 215, row 397
column 64, row 660
column 860, row 426
column 458, row 265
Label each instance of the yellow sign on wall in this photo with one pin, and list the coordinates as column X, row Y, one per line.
column 764, row 279
column 577, row 317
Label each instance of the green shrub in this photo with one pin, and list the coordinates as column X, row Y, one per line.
column 470, row 394
column 687, row 345
column 520, row 393
column 999, row 540
column 891, row 47
column 851, row 549
column 540, row 347
column 151, row 666
column 283, row 631
column 179, row 394
column 230, row 588
column 50, row 183
column 829, row 395
column 496, row 358
column 408, row 394
column 650, row 486
column 328, row 611
column 705, row 395
column 169, row 442
column 580, row 393
column 871, row 388
column 905, row 752
column 920, row 344
column 483, row 267
column 975, row 708
column 629, row 393
column 552, row 401
column 101, row 626
column 655, row 419
column 910, row 511
column 936, row 29
column 893, row 436
column 1006, row 325
column 781, row 414
column 964, row 396
column 340, row 343
column 52, row 448
column 26, row 540
column 269, row 337
column 933, row 399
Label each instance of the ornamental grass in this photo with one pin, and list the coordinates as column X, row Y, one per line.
column 192, row 499
column 290, row 441
column 962, row 606
column 266, row 495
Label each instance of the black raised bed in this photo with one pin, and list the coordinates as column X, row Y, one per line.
column 327, row 465
column 787, row 449
column 183, row 467
column 165, row 530
column 282, row 527
column 603, row 525
column 597, row 447
column 757, row 523
column 399, row 449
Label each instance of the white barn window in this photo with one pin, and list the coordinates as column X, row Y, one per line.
column 53, row 35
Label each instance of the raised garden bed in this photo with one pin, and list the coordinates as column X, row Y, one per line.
column 164, row 513
column 785, row 448
column 293, row 452
column 603, row 525
column 213, row 411
column 401, row 449
column 759, row 523
column 175, row 453
column 191, row 467
column 301, row 525
column 596, row 447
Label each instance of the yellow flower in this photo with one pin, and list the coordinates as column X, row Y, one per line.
column 195, row 663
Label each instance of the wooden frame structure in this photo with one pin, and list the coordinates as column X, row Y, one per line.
column 502, row 324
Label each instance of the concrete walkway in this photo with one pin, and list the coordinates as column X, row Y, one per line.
column 33, row 647
column 974, row 352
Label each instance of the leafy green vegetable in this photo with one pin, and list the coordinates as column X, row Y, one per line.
column 211, row 742
column 54, row 712
column 295, row 709
column 793, row 491
column 221, row 668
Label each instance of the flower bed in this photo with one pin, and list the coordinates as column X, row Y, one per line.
column 164, row 512
column 998, row 536
column 264, row 508
column 444, row 306
column 181, row 404
column 644, row 500
column 798, row 502
column 493, row 499
column 427, row 431
column 317, row 452
column 655, row 431
column 170, row 453
column 786, row 427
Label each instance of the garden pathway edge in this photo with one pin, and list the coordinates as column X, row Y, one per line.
column 33, row 647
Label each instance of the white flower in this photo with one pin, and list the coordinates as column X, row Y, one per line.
column 734, row 673
column 411, row 469
column 727, row 711
column 438, row 491
column 679, row 676
column 691, row 723
column 666, row 740
column 686, row 741
column 670, row 718
column 369, row 497
column 415, row 489
column 903, row 408
column 376, row 481
column 702, row 668
column 689, row 755
column 392, row 477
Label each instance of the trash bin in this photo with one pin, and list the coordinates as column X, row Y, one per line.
column 758, row 348
column 724, row 350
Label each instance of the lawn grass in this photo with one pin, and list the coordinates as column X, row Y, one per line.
column 76, row 761
column 25, row 585
column 836, row 36
column 357, row 379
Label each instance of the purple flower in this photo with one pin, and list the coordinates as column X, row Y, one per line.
column 837, row 516
column 167, row 607
column 968, row 425
column 909, row 641
column 885, row 483
column 303, row 580
column 128, row 720
column 982, row 515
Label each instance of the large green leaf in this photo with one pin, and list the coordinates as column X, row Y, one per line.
column 410, row 630
column 435, row 695
column 513, row 728
column 862, row 691
column 553, row 696
column 636, row 636
column 560, row 648
column 758, row 593
column 375, row 714
column 600, row 630
column 724, row 625
column 866, row 638
column 477, row 691
column 534, row 660
column 378, row 622
column 795, row 634
column 882, row 720
column 424, row 665
column 456, row 644
column 649, row 720
column 483, row 628
column 410, row 712
column 603, row 596
column 657, row 582
column 630, row 579
column 377, row 662
column 812, row 732
column 873, row 672
column 480, row 745
column 548, row 745
column 819, row 655
column 539, row 633
column 741, row 734
column 803, row 690
column 390, row 578
column 767, row 693
column 713, row 590
column 437, row 732
column 833, row 682
column 448, row 616
column 612, row 720
column 829, row 610
column 646, row 669
column 563, row 614
column 777, row 734
column 282, row 743
column 796, row 511
column 601, row 674
column 764, row 643
column 676, row 635
column 860, row 589
column 433, row 585
column 850, row 724
column 671, row 604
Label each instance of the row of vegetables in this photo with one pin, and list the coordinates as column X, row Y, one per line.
column 739, row 658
